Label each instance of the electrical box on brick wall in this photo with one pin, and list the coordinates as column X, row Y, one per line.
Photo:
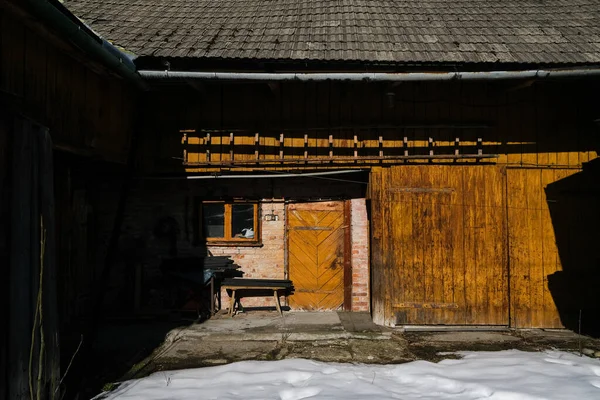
column 271, row 217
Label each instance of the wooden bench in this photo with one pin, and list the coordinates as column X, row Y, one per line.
column 238, row 288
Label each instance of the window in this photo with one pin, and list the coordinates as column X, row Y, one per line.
column 229, row 222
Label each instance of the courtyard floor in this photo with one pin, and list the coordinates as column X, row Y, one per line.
column 335, row 337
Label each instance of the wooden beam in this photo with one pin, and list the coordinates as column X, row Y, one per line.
column 449, row 125
column 345, row 159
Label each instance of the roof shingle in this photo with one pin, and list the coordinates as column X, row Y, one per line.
column 402, row 31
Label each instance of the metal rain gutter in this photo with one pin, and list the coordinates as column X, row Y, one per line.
column 371, row 76
column 269, row 176
column 60, row 19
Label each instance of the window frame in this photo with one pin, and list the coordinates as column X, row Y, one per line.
column 228, row 239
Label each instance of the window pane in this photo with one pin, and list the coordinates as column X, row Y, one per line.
column 213, row 220
column 242, row 221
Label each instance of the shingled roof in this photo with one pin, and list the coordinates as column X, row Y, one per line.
column 542, row 32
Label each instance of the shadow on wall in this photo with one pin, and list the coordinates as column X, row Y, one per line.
column 574, row 204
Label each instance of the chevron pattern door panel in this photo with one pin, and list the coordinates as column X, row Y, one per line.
column 316, row 255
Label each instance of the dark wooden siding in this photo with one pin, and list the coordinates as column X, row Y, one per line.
column 89, row 113
column 536, row 125
column 86, row 109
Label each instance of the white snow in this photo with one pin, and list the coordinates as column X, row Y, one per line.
column 502, row 375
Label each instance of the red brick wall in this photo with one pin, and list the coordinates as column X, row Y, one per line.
column 360, row 255
column 266, row 261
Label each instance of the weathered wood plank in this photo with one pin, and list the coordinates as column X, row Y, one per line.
column 470, row 256
column 518, row 225
column 23, row 261
column 13, row 56
column 377, row 287
column 550, row 257
column 456, row 225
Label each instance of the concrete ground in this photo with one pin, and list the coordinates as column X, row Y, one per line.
column 334, row 337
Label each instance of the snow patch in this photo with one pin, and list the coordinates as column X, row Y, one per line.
column 502, row 375
column 298, row 394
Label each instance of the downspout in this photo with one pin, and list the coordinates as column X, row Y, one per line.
column 372, row 76
column 60, row 19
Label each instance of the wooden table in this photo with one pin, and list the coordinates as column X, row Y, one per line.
column 236, row 288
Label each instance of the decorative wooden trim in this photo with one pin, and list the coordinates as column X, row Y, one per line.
column 321, row 160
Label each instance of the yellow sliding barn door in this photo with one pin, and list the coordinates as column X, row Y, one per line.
column 439, row 245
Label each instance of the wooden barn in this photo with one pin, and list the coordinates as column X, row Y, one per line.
column 450, row 200
column 66, row 122
column 404, row 158
column 432, row 163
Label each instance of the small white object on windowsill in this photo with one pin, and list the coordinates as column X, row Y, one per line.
column 248, row 233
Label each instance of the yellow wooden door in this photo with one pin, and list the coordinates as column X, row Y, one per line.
column 316, row 255
column 439, row 248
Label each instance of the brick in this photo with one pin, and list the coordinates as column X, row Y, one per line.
column 360, row 255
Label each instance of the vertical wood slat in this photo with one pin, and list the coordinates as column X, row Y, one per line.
column 50, row 278
column 184, row 142
column 470, row 247
column 456, row 219
column 387, row 258
column 402, row 250
column 32, row 209
column 13, row 59
column 305, row 146
column 207, row 143
column 519, row 269
column 377, row 224
column 550, row 257
column 217, row 142
column 256, row 146
column 23, row 260
column 536, row 271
